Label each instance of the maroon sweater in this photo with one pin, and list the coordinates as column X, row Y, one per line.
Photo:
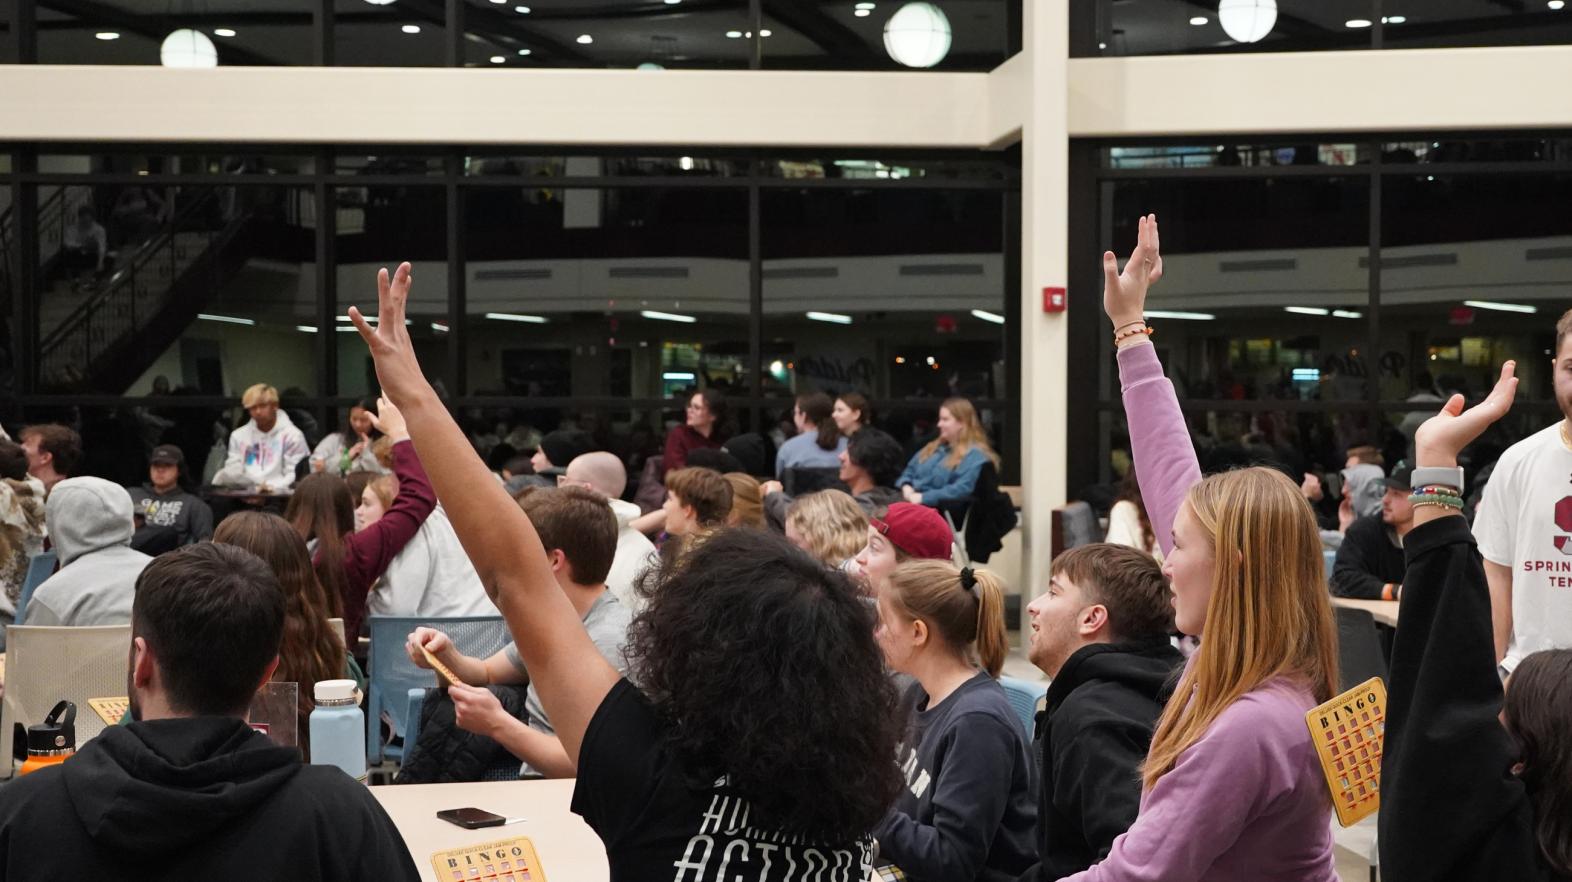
column 368, row 552
column 683, row 439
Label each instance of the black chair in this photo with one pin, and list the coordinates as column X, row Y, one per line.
column 797, row 480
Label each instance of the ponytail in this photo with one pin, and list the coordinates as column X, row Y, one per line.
column 964, row 607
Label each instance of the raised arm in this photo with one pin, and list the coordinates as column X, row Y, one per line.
column 1165, row 461
column 1447, row 789
column 568, row 670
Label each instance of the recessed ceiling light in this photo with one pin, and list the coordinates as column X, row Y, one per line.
column 1357, row 23
column 1393, row 19
column 734, row 35
column 498, row 59
column 765, row 32
column 1557, row 4
column 500, row 2
column 521, row 10
column 862, row 13
column 1102, row 45
column 864, row 5
column 1198, row 20
column 585, row 39
column 525, row 51
column 379, row 2
column 410, row 29
column 223, row 32
column 672, row 2
column 107, row 35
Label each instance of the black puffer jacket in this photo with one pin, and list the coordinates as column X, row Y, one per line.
column 446, row 754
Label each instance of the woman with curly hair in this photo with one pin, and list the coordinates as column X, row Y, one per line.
column 967, row 812
column 762, row 731
column 830, row 526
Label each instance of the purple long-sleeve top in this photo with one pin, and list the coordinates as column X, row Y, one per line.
column 1247, row 800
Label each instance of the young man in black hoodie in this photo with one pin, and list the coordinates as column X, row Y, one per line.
column 1101, row 633
column 188, row 790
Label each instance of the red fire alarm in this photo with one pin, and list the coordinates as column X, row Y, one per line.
column 1054, row 300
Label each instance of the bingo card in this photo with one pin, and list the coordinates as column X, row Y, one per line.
column 1348, row 733
column 110, row 710
column 508, row 860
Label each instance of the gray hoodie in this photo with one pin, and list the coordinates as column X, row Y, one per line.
column 90, row 525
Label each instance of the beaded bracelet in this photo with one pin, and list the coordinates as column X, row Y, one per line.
column 1446, row 500
column 1441, row 489
column 1128, row 324
column 1125, row 335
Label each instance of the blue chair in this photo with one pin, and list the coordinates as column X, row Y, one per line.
column 1329, row 557
column 1024, row 695
column 397, row 688
column 39, row 568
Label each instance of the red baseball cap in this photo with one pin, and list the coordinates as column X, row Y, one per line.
column 917, row 530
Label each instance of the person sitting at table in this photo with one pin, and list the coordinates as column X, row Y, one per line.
column 579, row 534
column 188, row 790
column 869, row 465
column 263, row 453
column 967, row 811
column 697, row 765
column 164, row 502
column 90, row 524
column 349, row 449
column 1369, row 563
column 818, row 442
column 946, row 470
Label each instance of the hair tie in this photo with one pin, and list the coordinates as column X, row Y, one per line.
column 968, row 578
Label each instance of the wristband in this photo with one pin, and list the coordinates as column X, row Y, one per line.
column 1386, row 591
column 1446, row 476
column 1445, row 500
column 1133, row 332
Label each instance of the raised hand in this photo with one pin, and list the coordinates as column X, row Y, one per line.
column 1439, row 440
column 397, row 369
column 1124, row 293
column 389, row 420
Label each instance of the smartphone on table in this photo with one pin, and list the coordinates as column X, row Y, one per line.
column 471, row 818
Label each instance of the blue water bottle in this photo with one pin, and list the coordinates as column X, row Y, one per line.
column 338, row 728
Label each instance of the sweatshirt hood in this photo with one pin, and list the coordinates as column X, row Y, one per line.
column 1149, row 668
column 283, row 422
column 625, row 511
column 87, row 515
column 1362, row 485
column 153, row 788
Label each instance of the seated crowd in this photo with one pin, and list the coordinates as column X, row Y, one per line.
column 793, row 677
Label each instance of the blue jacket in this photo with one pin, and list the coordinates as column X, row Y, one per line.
column 937, row 482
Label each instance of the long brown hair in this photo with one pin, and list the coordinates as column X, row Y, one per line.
column 1130, row 491
column 969, row 617
column 972, row 435
column 322, row 509
column 818, row 409
column 1539, row 718
column 747, row 501
column 310, row 650
column 1268, row 616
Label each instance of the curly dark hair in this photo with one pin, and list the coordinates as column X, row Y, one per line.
column 878, row 453
column 762, row 663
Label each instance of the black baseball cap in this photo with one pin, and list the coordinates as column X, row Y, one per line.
column 167, row 454
column 1400, row 479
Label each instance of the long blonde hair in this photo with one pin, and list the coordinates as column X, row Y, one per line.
column 968, row 617
column 747, row 501
column 834, row 524
column 972, row 435
column 1269, row 614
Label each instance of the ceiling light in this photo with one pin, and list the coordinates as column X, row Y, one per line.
column 1501, row 307
column 499, row 2
column 346, row 329
column 585, row 39
column 379, row 2
column 1198, row 20
column 524, row 51
column 679, row 375
column 107, row 35
column 917, row 35
column 410, row 29
column 1346, row 313
column 1357, row 23
column 930, row 360
column 521, row 10
column 1180, row 316
column 439, row 327
column 1247, row 21
column 1102, row 45
column 672, row 2
column 764, row 32
column 1307, row 310
column 229, row 319
column 987, row 316
column 309, row 329
column 1557, row 4
column 188, row 48
column 498, row 59
column 667, row 316
column 516, row 317
column 868, row 7
column 223, row 32
column 734, row 35
column 834, row 318
column 685, row 163
column 1393, row 19
column 862, row 13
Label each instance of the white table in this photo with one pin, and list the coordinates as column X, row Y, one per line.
column 569, row 850
column 1384, row 611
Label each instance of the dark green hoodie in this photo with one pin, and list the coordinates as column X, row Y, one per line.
column 195, row 798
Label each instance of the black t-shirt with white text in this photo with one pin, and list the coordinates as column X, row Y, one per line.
column 656, row 827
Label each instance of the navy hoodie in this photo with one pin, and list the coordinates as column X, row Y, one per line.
column 195, row 798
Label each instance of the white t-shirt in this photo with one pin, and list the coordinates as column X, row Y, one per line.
column 1525, row 524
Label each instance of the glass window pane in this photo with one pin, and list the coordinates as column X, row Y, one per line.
column 389, row 34
column 263, row 33
column 1469, row 280
column 199, row 288
column 380, row 226
column 1144, row 156
column 1424, row 24
column 346, row 163
column 570, row 33
column 1169, row 27
column 1452, row 149
column 606, row 292
column 212, row 163
column 634, row 431
column 1264, row 294
column 895, row 168
column 898, row 294
column 676, row 166
column 967, row 35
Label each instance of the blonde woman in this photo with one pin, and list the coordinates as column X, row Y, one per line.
column 830, row 526
column 948, row 467
column 1231, row 788
column 747, row 501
